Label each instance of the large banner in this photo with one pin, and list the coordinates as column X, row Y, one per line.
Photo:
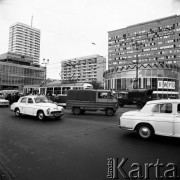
column 166, row 85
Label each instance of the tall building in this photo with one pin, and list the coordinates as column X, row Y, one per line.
column 25, row 40
column 145, row 55
column 84, row 69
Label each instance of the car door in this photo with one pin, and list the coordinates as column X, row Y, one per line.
column 103, row 100
column 162, row 119
column 28, row 108
column 177, row 121
column 22, row 104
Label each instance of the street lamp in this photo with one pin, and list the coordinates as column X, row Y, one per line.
column 137, row 45
column 45, row 62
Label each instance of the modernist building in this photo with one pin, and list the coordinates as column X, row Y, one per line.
column 25, row 40
column 145, row 55
column 18, row 70
column 84, row 69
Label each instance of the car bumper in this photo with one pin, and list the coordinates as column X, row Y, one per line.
column 55, row 114
column 126, row 128
column 4, row 104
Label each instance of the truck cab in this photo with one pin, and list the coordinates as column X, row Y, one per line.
column 137, row 97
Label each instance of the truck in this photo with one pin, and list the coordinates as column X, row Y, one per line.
column 59, row 99
column 91, row 100
column 137, row 97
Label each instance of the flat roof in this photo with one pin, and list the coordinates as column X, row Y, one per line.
column 147, row 22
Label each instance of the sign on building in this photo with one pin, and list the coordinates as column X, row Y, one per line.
column 166, row 85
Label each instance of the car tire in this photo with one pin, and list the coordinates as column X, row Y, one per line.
column 40, row 115
column 145, row 131
column 17, row 112
column 76, row 111
column 109, row 112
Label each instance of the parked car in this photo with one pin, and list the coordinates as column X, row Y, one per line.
column 3, row 101
column 159, row 117
column 35, row 105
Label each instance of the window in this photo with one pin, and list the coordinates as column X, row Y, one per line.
column 104, row 95
column 30, row 100
column 178, row 108
column 163, row 108
column 23, row 100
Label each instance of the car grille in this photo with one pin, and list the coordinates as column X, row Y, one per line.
column 55, row 112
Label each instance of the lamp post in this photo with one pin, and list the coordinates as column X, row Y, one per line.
column 137, row 46
column 45, row 62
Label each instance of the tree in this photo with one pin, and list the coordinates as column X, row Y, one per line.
column 97, row 85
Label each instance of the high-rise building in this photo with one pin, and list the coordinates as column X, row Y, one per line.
column 84, row 69
column 145, row 55
column 25, row 40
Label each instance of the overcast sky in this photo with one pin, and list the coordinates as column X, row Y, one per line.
column 69, row 27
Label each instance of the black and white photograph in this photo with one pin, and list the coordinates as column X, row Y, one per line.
column 89, row 89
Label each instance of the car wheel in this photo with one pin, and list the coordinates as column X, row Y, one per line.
column 76, row 110
column 40, row 115
column 17, row 112
column 109, row 112
column 145, row 131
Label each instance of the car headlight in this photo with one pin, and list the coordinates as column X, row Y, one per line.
column 48, row 111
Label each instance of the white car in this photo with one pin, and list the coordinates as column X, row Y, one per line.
column 36, row 106
column 3, row 102
column 160, row 117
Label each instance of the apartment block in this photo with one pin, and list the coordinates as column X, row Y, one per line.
column 84, row 69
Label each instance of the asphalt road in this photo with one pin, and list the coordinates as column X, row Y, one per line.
column 78, row 148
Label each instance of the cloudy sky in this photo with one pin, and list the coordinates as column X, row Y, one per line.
column 69, row 27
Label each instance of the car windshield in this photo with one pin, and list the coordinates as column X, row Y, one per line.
column 147, row 108
column 41, row 100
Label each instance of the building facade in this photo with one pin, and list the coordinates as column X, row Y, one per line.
column 18, row 70
column 25, row 40
column 145, row 55
column 84, row 69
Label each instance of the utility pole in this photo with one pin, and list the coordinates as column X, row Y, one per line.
column 45, row 62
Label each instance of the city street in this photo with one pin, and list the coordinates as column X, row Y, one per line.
column 77, row 147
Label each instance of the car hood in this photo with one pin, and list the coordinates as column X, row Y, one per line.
column 48, row 105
